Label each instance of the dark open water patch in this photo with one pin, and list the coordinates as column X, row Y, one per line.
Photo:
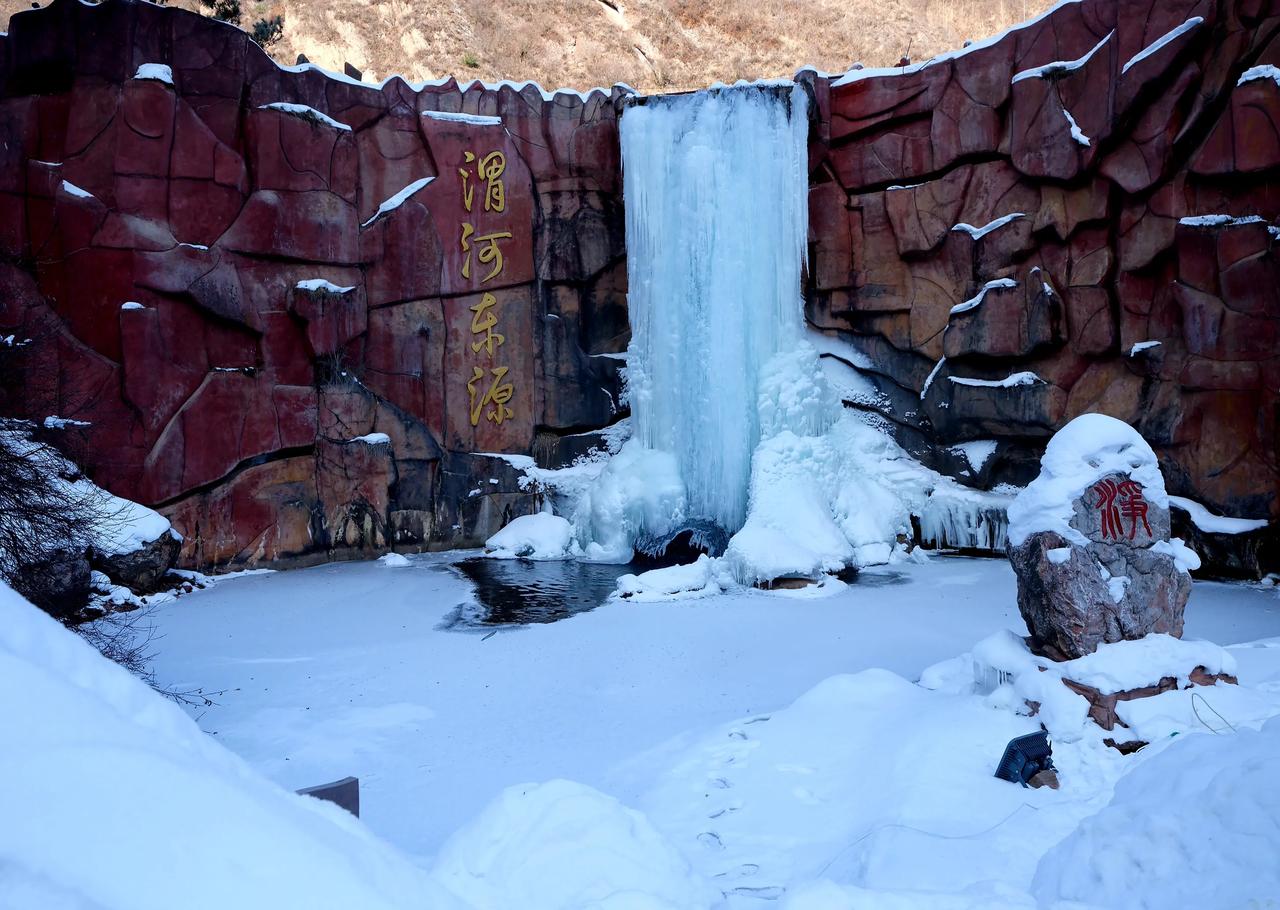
column 516, row 592
column 520, row 591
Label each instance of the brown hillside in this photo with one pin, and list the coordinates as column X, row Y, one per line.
column 653, row 45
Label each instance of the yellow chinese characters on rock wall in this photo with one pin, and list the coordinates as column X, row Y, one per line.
column 488, row 388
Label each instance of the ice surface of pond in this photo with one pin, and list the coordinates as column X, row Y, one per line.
column 350, row 669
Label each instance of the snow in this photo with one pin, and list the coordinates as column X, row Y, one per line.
column 977, row 233
column 716, row 234
column 933, row 374
column 976, row 301
column 698, row 579
column 132, row 305
column 976, row 452
column 115, row 525
column 638, row 490
column 462, row 87
column 1221, row 220
column 373, row 439
column 125, row 526
column 538, row 536
column 74, row 190
column 306, row 113
column 456, row 117
column 160, row 72
column 53, row 422
column 1206, row 521
column 90, row 755
column 1193, row 826
column 562, row 845
column 1009, row 382
column 1263, row 71
column 1077, row 134
column 1084, row 451
column 1186, row 559
column 1162, row 42
column 1004, row 668
column 399, row 199
column 1141, row 346
column 320, row 284
column 395, row 561
column 679, row 711
column 1059, row 67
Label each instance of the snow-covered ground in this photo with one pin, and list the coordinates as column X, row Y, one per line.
column 774, row 741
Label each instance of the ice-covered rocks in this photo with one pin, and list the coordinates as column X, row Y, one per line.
column 1089, row 542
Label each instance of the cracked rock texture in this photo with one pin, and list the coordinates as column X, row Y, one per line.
column 1072, row 148
column 281, row 306
column 235, row 396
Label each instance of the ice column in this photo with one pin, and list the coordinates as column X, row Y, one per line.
column 716, row 196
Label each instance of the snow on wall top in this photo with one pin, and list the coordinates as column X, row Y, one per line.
column 158, row 72
column 305, row 112
column 1085, row 450
column 1058, row 67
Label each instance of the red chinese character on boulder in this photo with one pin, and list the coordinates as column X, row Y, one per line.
column 1132, row 506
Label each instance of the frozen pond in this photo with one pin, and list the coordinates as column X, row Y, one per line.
column 352, row 669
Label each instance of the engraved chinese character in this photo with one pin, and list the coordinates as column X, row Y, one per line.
column 1132, row 506
column 489, row 253
column 490, row 170
column 468, row 191
column 497, row 395
column 483, row 322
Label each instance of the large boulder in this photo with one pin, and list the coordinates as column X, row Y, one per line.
column 142, row 569
column 1089, row 542
column 132, row 545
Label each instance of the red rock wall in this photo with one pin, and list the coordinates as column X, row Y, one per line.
column 1099, row 254
column 231, row 397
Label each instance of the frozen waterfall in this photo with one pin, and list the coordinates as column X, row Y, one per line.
column 734, row 422
column 716, row 206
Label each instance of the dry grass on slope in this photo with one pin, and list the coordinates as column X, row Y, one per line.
column 654, row 45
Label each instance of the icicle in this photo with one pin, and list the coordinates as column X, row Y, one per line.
column 716, row 193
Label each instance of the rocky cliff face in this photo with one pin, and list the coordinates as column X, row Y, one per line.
column 291, row 308
column 1078, row 216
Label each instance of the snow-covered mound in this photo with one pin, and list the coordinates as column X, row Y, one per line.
column 115, row 800
column 1197, row 825
column 126, row 526
column 538, row 536
column 698, row 579
column 1081, row 453
column 564, row 846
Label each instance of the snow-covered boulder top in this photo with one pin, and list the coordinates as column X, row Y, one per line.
column 1081, row 454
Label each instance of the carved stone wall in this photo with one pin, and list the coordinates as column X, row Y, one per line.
column 224, row 279
column 1097, row 192
column 237, row 279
